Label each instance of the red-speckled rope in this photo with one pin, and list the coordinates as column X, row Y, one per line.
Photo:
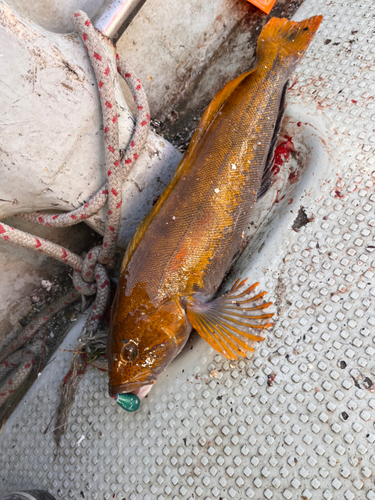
column 117, row 170
column 17, row 367
column 92, row 267
column 19, row 362
column 37, row 322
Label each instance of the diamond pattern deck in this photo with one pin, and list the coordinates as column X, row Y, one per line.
column 296, row 420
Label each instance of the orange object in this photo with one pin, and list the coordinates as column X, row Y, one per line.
column 264, row 5
column 181, row 251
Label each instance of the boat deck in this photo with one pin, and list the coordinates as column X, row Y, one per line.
column 296, row 419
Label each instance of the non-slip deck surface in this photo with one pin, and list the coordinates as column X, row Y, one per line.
column 297, row 419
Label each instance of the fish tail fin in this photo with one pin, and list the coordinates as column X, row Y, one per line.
column 287, row 39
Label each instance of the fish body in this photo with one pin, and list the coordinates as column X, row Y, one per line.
column 179, row 255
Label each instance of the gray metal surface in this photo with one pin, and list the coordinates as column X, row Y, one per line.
column 296, row 420
column 114, row 17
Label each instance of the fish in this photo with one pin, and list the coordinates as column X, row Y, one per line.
column 178, row 257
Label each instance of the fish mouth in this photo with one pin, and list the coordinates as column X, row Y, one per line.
column 143, row 391
column 138, row 387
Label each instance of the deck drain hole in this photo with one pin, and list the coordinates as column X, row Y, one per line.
column 367, row 382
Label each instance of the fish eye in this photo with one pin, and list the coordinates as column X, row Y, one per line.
column 130, row 351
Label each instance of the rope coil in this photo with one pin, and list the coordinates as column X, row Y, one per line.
column 17, row 367
column 90, row 275
column 37, row 322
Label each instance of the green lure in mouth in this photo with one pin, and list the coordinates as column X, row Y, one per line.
column 129, row 402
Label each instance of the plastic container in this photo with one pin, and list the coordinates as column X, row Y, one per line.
column 264, row 5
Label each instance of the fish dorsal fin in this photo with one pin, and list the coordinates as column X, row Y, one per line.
column 267, row 172
column 224, row 322
column 213, row 108
column 205, row 122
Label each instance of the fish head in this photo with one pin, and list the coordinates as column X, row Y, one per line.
column 143, row 341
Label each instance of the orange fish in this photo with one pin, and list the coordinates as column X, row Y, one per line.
column 180, row 252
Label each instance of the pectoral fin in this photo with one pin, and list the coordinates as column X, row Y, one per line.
column 225, row 322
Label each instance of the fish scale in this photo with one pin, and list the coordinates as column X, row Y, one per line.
column 181, row 252
column 194, row 202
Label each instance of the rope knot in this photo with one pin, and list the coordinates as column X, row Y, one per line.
column 84, row 279
column 93, row 279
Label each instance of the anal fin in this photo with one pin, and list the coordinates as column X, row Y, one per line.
column 267, row 172
column 225, row 322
